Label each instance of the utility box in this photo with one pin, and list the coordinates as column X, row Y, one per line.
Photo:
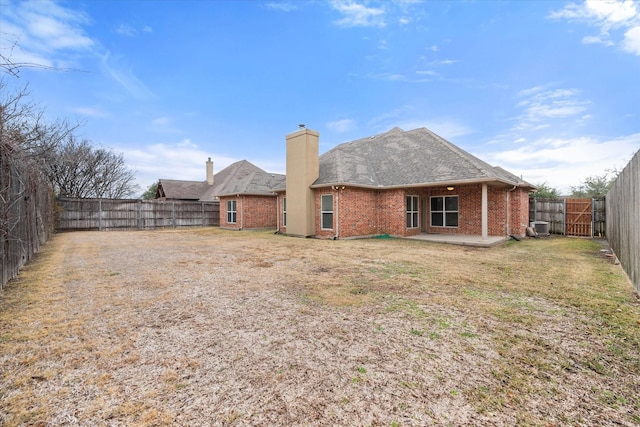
column 541, row 227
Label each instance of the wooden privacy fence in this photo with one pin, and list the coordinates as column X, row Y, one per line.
column 623, row 227
column 26, row 211
column 570, row 216
column 109, row 214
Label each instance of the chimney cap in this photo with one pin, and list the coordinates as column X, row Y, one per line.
column 302, row 126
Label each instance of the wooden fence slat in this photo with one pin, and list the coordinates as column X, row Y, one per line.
column 623, row 226
column 570, row 216
column 108, row 214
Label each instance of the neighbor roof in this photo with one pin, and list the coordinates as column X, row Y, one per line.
column 182, row 190
column 399, row 158
column 201, row 190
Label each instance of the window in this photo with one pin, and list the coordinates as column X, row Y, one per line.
column 326, row 211
column 412, row 211
column 444, row 211
column 284, row 211
column 231, row 211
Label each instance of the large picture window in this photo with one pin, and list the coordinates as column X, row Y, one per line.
column 231, row 211
column 412, row 211
column 284, row 212
column 444, row 211
column 326, row 211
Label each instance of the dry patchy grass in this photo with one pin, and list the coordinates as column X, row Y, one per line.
column 208, row 327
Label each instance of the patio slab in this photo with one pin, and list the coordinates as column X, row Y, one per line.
column 460, row 239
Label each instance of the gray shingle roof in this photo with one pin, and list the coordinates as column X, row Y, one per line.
column 400, row 158
column 227, row 177
column 202, row 191
column 183, row 190
column 259, row 183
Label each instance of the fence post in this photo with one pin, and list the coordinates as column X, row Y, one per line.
column 139, row 213
column 202, row 205
column 593, row 217
column 99, row 214
column 173, row 214
column 564, row 221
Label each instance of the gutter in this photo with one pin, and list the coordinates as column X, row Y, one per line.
column 415, row 185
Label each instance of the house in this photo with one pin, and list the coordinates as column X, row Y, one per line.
column 400, row 183
column 249, row 202
column 207, row 190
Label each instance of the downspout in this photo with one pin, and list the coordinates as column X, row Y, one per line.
column 337, row 189
column 240, row 199
column 485, row 213
column 277, row 213
column 508, row 196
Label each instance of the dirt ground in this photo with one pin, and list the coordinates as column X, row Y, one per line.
column 206, row 327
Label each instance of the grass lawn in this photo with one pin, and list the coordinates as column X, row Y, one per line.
column 221, row 328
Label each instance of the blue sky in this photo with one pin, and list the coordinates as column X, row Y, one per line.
column 549, row 90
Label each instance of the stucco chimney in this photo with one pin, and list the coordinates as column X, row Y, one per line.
column 302, row 171
column 209, row 172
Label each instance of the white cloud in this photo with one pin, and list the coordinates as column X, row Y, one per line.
column 130, row 31
column 631, row 42
column 542, row 104
column 596, row 40
column 566, row 162
column 282, row 6
column 182, row 160
column 341, row 126
column 126, row 30
column 43, row 33
column 610, row 17
column 124, row 76
column 358, row 15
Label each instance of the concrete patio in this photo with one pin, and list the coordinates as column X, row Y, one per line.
column 460, row 239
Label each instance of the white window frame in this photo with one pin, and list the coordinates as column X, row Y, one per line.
column 325, row 212
column 413, row 211
column 232, row 212
column 444, row 211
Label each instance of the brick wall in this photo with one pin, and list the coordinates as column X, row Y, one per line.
column 364, row 212
column 259, row 212
column 519, row 214
column 393, row 213
column 251, row 212
column 223, row 213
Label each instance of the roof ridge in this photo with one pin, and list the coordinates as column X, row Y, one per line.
column 479, row 164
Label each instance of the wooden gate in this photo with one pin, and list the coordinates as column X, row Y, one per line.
column 579, row 217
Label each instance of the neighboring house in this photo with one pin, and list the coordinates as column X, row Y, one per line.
column 207, row 190
column 397, row 183
column 173, row 189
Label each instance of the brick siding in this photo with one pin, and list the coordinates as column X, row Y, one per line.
column 365, row 212
column 251, row 212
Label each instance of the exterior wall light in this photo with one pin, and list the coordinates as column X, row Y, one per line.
column 450, row 188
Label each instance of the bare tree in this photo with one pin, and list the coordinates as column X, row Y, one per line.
column 8, row 66
column 77, row 169
column 23, row 127
column 26, row 204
